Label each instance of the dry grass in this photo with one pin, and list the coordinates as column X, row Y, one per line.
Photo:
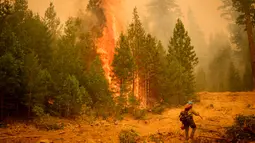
column 217, row 109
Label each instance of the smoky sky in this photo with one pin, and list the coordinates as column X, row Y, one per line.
column 205, row 11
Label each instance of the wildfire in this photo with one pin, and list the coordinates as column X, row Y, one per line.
column 106, row 44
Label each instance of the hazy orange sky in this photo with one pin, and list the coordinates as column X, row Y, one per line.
column 205, row 11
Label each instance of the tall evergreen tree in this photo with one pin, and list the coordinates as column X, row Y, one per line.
column 239, row 38
column 51, row 20
column 160, row 84
column 181, row 54
column 136, row 37
column 98, row 88
column 123, row 65
column 11, row 59
column 246, row 10
column 151, row 66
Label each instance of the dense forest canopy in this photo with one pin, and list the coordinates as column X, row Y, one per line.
column 46, row 71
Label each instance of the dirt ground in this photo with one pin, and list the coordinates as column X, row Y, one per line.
column 217, row 109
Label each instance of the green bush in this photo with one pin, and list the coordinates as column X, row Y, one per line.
column 47, row 122
column 128, row 136
column 38, row 111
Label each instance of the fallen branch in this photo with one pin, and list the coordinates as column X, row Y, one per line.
column 28, row 136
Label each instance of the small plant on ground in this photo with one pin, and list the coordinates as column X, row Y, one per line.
column 128, row 136
column 46, row 122
column 243, row 129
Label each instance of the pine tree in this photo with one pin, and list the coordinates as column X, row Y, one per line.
column 10, row 80
column 72, row 97
column 11, row 59
column 98, row 88
column 123, row 65
column 37, row 38
column 160, row 84
column 239, row 38
column 246, row 9
column 31, row 70
column 136, row 38
column 181, row 55
column 151, row 59
column 51, row 20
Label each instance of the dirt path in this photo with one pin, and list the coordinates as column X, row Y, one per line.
column 218, row 111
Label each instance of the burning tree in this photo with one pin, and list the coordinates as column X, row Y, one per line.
column 123, row 66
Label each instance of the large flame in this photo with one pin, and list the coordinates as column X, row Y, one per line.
column 106, row 44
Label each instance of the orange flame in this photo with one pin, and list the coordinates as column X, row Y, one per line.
column 107, row 43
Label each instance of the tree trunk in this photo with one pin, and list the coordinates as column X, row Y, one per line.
column 251, row 45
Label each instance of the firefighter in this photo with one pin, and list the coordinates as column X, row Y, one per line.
column 186, row 117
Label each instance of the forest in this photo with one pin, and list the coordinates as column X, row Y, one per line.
column 50, row 69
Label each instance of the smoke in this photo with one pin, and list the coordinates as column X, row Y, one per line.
column 209, row 31
column 206, row 13
column 161, row 18
column 158, row 18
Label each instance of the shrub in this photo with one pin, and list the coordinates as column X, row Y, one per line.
column 128, row 136
column 38, row 111
column 243, row 129
column 47, row 122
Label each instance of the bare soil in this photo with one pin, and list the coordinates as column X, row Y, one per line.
column 217, row 109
